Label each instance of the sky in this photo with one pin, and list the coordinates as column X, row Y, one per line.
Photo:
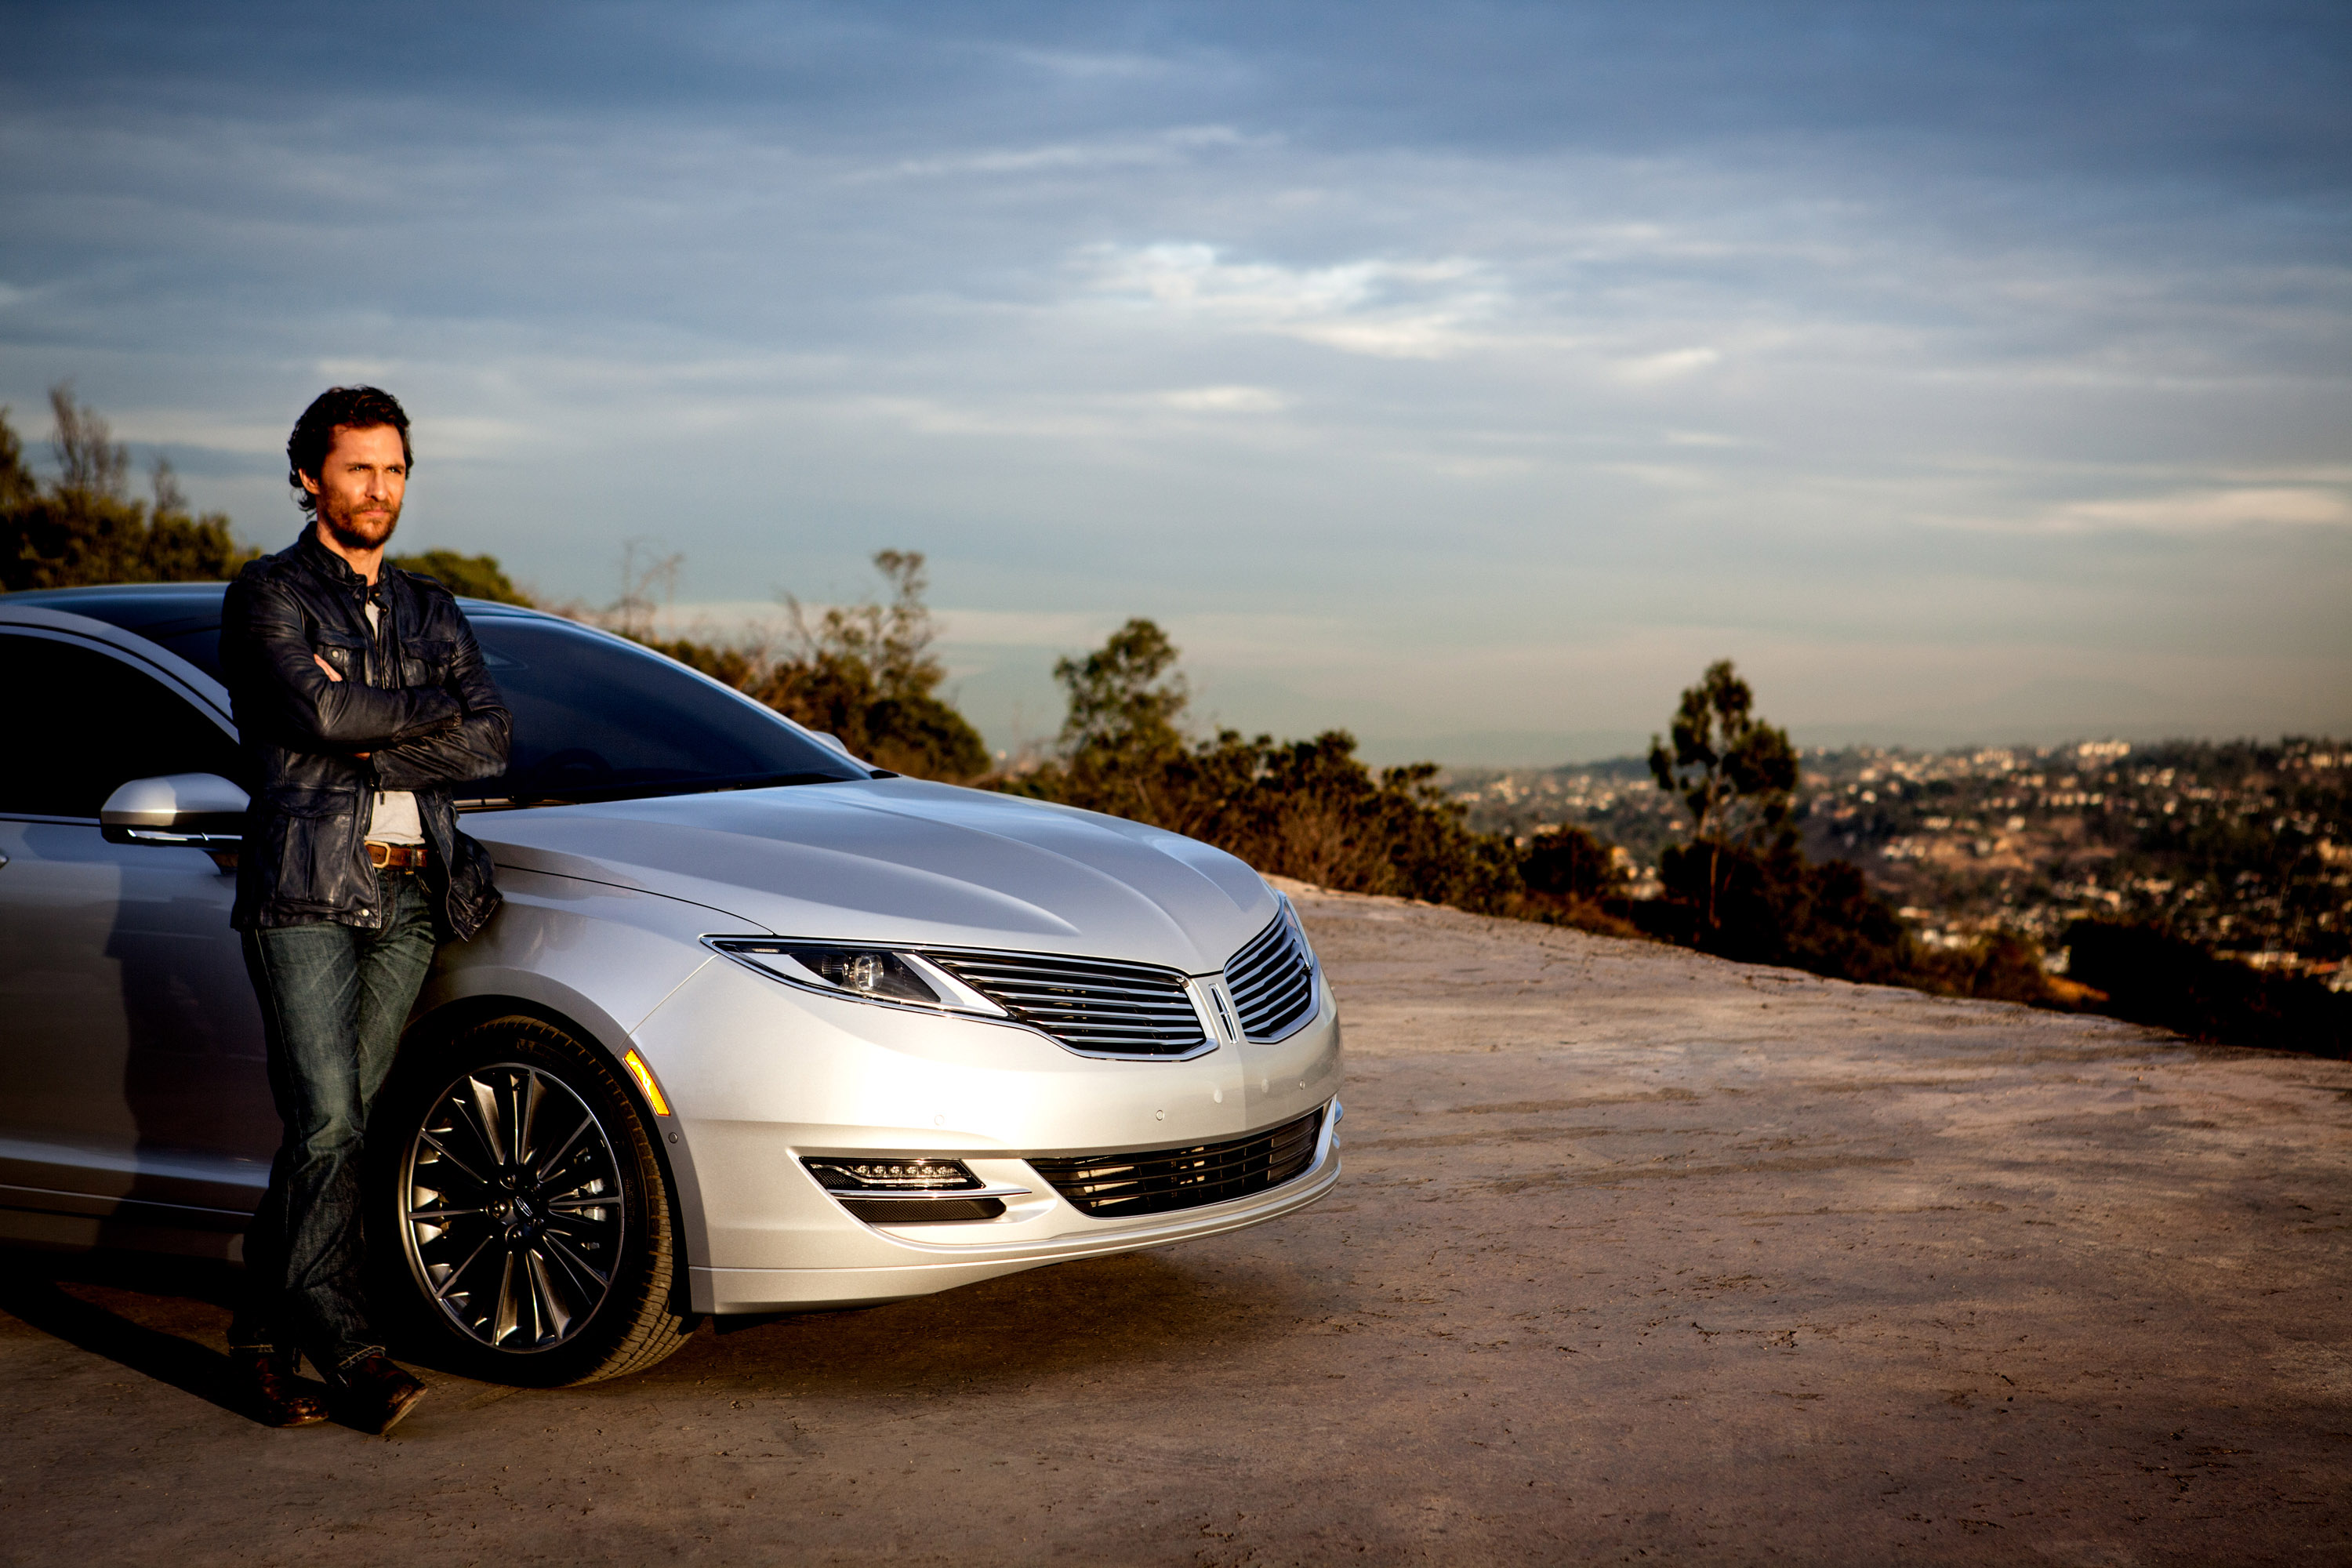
column 1467, row 376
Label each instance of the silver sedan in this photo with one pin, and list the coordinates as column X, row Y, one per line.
column 759, row 1029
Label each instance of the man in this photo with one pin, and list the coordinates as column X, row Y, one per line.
column 362, row 698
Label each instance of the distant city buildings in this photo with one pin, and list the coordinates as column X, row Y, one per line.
column 2245, row 847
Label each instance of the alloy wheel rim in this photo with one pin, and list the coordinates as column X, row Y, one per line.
column 511, row 1208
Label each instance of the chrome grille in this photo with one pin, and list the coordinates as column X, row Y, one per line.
column 1157, row 1181
column 1089, row 1005
column 1273, row 982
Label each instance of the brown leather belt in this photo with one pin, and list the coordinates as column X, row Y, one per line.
column 395, row 856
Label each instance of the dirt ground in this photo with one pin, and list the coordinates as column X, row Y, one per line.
column 1640, row 1256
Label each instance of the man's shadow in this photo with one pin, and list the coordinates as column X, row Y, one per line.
column 32, row 1290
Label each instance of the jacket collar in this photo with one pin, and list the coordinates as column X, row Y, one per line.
column 334, row 568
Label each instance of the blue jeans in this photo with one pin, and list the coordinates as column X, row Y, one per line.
column 334, row 1001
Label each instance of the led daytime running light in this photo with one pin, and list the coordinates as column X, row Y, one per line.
column 854, row 1175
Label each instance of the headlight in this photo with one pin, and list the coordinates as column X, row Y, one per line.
column 869, row 974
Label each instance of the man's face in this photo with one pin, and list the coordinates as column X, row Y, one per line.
column 359, row 486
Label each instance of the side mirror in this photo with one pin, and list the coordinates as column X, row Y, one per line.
column 190, row 811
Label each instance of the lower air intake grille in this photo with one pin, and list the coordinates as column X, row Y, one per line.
column 1092, row 1005
column 1113, row 1186
column 921, row 1211
column 1273, row 982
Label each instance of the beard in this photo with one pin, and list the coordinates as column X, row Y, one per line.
column 357, row 527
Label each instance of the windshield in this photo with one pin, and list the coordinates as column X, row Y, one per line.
column 596, row 718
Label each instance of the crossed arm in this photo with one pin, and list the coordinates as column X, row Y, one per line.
column 475, row 747
column 414, row 737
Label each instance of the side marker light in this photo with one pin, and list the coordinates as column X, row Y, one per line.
column 645, row 1077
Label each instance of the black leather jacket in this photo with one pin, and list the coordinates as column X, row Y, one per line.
column 413, row 695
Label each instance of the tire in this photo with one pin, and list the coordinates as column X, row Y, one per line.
column 527, row 1233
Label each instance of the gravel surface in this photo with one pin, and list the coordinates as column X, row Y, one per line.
column 1640, row 1256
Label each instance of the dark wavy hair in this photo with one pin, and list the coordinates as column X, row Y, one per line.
column 339, row 409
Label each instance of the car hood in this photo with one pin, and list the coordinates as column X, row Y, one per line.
column 902, row 861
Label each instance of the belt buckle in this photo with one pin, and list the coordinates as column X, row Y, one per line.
column 379, row 854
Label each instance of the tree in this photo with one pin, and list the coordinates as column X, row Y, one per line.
column 867, row 673
column 863, row 673
column 85, row 528
column 471, row 576
column 90, row 462
column 17, row 486
column 1742, row 886
column 892, row 641
column 1733, row 771
column 1123, row 748
column 1126, row 699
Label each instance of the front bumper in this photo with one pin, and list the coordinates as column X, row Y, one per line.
column 761, row 1075
column 941, row 1257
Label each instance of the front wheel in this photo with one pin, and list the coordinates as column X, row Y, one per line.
column 533, row 1236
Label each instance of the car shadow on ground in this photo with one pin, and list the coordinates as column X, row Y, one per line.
column 1072, row 1319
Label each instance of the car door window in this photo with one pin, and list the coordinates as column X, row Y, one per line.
column 80, row 722
column 133, row 1072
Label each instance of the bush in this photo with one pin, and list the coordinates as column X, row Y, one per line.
column 2151, row 976
column 1310, row 809
column 2002, row 967
column 1773, row 906
column 1571, row 863
column 1306, row 809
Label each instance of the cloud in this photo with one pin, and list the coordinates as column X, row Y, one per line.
column 1673, row 365
column 1085, row 66
column 480, row 436
column 1167, row 147
column 730, row 619
column 1225, row 400
column 2198, row 512
column 198, row 428
column 1392, row 309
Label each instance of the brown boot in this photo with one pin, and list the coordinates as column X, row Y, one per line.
column 265, row 1388
column 373, row 1395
